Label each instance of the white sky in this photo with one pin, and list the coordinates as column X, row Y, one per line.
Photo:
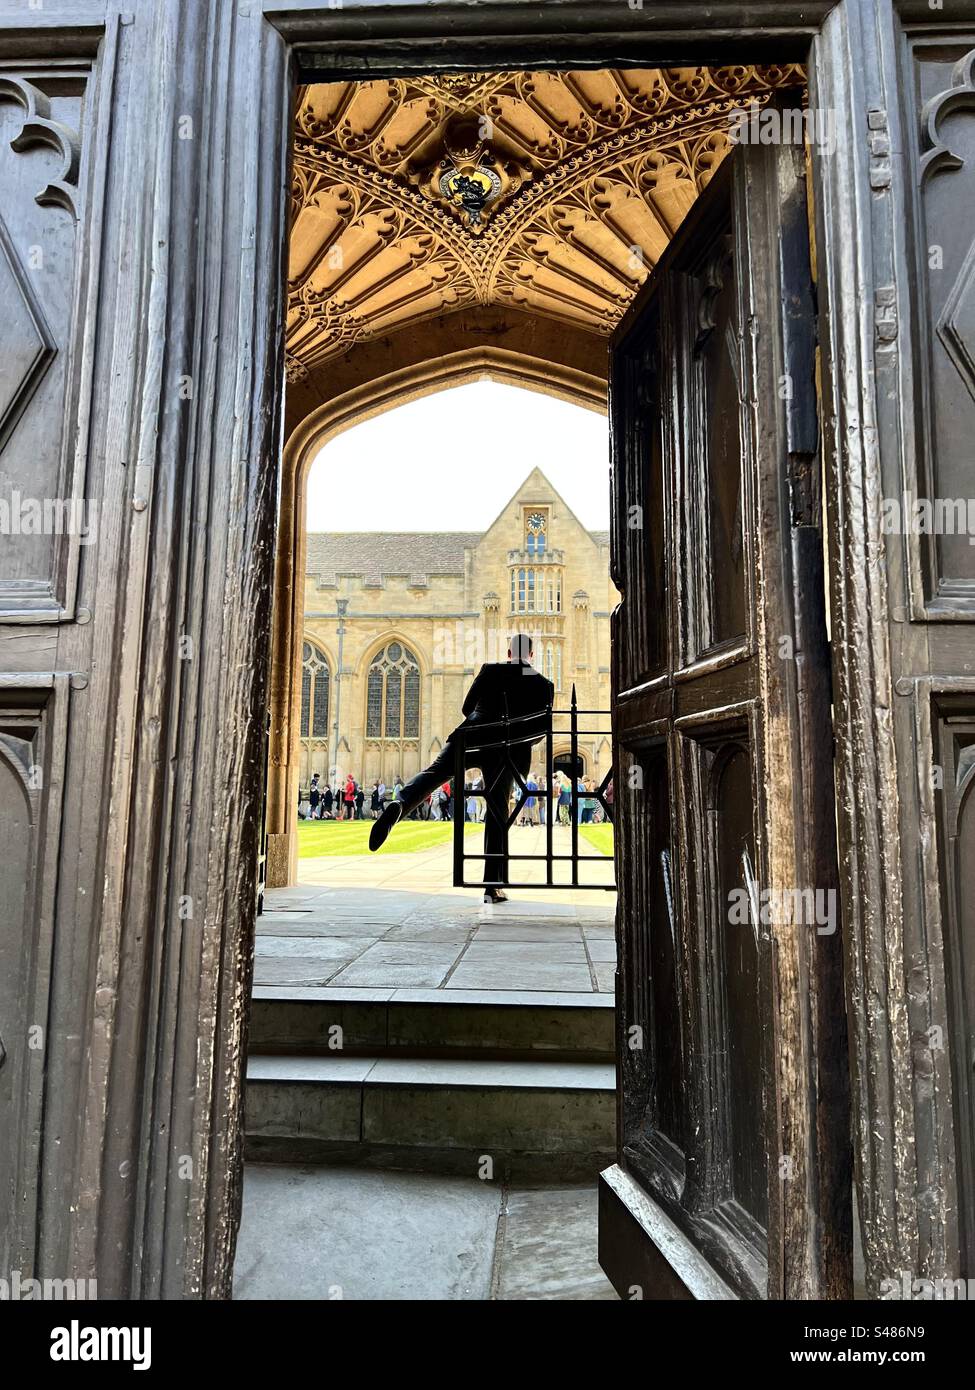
column 450, row 462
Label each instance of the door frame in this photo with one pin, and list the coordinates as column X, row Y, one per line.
column 370, row 39
column 146, row 1195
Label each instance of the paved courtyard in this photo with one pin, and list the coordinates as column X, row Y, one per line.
column 390, row 921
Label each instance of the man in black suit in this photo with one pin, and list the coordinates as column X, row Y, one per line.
column 511, row 688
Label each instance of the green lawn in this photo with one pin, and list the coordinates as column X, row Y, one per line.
column 599, row 836
column 317, row 839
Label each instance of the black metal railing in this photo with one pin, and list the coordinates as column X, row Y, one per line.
column 502, row 737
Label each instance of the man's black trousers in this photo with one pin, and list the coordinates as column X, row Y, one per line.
column 498, row 782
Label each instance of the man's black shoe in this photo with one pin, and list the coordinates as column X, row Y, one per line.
column 385, row 823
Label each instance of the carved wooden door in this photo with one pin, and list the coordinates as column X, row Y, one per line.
column 140, row 390
column 733, row 1104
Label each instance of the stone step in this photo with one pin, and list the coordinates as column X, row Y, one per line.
column 487, row 1117
column 498, row 1025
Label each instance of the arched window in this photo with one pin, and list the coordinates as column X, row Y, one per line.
column 315, row 682
column 393, row 694
column 550, row 663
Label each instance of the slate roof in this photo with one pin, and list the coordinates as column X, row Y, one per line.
column 376, row 554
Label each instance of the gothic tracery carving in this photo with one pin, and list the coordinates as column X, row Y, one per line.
column 40, row 128
column 551, row 192
column 959, row 96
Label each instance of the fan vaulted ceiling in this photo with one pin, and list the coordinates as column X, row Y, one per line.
column 552, row 193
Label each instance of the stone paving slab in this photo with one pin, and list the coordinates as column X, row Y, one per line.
column 431, row 931
column 296, row 970
column 515, row 952
column 605, row 975
column 327, row 1232
column 401, row 963
column 534, row 975
column 544, row 931
column 321, row 927
column 341, row 949
column 548, row 1247
column 601, row 951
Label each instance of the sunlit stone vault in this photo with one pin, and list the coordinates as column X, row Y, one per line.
column 552, row 193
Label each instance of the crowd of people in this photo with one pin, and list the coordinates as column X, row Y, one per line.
column 347, row 799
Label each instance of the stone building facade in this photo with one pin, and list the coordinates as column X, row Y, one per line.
column 397, row 624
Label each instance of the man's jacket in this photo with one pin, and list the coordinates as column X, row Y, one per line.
column 509, row 688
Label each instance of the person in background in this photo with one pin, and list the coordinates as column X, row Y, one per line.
column 360, row 797
column 381, row 790
column 348, row 797
column 542, row 798
column 529, row 814
column 314, row 796
column 325, row 809
column 565, row 799
column 375, row 803
column 512, row 689
column 474, row 786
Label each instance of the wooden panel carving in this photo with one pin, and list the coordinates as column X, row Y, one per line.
column 937, row 516
column 729, row 962
column 944, row 1025
column 33, row 721
column 639, row 517
column 714, row 531
column 45, row 517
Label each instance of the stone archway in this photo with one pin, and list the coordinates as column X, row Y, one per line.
column 366, row 382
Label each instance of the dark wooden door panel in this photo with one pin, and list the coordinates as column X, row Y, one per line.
column 723, row 741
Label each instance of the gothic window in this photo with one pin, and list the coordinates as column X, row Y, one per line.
column 393, row 694
column 374, row 704
column 536, row 590
column 411, row 704
column 550, row 663
column 315, row 682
